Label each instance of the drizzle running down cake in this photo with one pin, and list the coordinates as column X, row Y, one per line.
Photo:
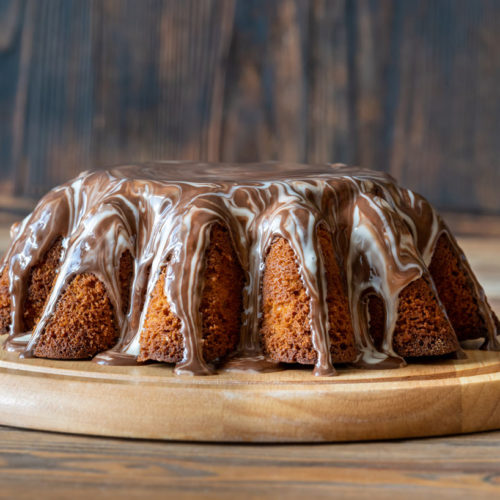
column 207, row 265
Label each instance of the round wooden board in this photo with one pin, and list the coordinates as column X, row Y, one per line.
column 150, row 402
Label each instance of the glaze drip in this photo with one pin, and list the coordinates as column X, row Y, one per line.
column 162, row 213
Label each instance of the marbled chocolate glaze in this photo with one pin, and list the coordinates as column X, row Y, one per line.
column 162, row 213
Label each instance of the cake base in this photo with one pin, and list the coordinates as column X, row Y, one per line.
column 150, row 402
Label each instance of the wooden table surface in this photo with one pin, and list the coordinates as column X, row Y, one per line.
column 42, row 464
column 68, row 466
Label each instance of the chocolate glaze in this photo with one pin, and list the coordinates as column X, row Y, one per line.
column 162, row 213
column 247, row 363
column 116, row 358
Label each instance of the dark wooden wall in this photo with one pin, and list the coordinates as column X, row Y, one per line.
column 407, row 86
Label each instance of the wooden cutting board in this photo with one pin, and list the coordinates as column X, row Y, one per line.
column 150, row 402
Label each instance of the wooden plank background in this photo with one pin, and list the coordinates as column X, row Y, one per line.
column 410, row 87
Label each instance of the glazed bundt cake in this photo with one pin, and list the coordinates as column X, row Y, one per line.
column 203, row 264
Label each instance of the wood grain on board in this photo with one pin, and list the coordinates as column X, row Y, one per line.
column 397, row 85
column 150, row 402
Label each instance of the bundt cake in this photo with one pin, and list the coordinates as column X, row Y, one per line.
column 204, row 265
